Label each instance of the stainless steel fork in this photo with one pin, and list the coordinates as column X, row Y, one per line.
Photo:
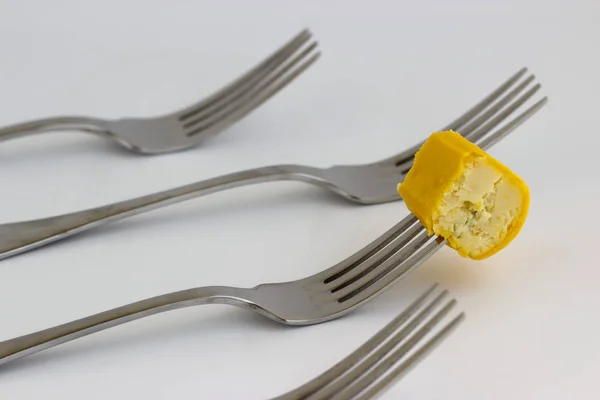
column 318, row 298
column 189, row 127
column 373, row 183
column 384, row 359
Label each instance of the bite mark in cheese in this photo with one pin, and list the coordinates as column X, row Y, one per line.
column 461, row 193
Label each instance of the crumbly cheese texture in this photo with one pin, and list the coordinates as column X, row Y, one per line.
column 461, row 193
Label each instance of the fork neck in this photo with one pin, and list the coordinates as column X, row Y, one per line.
column 23, row 346
column 16, row 238
column 217, row 184
column 53, row 124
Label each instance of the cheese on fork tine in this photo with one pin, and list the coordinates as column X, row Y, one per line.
column 461, row 193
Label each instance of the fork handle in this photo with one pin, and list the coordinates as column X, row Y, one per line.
column 85, row 124
column 19, row 237
column 23, row 346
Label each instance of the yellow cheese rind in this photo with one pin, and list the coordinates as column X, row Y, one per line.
column 441, row 164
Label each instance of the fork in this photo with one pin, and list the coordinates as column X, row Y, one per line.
column 359, row 376
column 388, row 355
column 373, row 183
column 189, row 127
column 322, row 297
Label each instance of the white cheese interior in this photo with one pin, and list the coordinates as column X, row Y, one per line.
column 479, row 209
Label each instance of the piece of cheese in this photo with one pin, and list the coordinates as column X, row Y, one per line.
column 461, row 193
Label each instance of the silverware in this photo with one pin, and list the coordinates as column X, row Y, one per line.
column 318, row 298
column 191, row 126
column 383, row 359
column 364, row 184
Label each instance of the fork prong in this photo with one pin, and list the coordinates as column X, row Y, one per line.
column 387, row 360
column 482, row 105
column 392, row 271
column 374, row 276
column 366, row 252
column 248, row 101
column 492, row 117
column 466, row 117
column 494, row 122
column 401, row 369
column 364, row 350
column 216, row 113
column 241, row 91
column 378, row 259
column 272, row 61
column 512, row 125
column 497, row 106
column 421, row 248
column 359, row 366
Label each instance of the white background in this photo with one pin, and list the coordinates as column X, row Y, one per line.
column 391, row 73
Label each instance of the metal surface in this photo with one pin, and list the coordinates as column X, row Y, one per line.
column 383, row 359
column 373, row 183
column 318, row 298
column 189, row 127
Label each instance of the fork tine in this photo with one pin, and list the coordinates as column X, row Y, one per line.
column 479, row 133
column 491, row 111
column 511, row 126
column 247, row 102
column 400, row 370
column 217, row 113
column 358, row 366
column 368, row 251
column 389, row 360
column 378, row 259
column 422, row 247
column 395, row 272
column 363, row 351
column 209, row 110
column 466, row 117
column 257, row 71
column 489, row 99
column 475, row 135
column 375, row 276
